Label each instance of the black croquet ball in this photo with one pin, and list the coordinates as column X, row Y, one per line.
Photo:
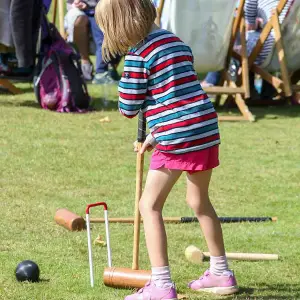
column 27, row 270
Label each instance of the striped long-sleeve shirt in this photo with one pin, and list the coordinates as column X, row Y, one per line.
column 160, row 80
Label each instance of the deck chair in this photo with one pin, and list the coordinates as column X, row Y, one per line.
column 210, row 28
column 285, row 56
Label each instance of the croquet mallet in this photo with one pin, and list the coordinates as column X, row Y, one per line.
column 123, row 277
column 196, row 256
column 177, row 220
column 74, row 222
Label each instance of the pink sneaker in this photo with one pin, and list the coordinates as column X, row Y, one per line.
column 152, row 292
column 221, row 285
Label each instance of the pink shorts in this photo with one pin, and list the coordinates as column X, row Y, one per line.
column 191, row 162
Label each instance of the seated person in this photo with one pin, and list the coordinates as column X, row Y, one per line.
column 79, row 22
column 257, row 14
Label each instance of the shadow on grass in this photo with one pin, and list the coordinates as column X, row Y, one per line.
column 28, row 89
column 269, row 112
column 44, row 280
column 269, row 291
column 97, row 104
column 27, row 103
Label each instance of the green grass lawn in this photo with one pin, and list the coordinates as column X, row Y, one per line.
column 51, row 161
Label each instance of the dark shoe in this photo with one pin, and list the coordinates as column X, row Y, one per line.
column 114, row 74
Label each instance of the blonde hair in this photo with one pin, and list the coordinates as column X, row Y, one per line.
column 125, row 23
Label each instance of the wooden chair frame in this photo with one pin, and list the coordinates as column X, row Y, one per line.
column 241, row 89
column 5, row 83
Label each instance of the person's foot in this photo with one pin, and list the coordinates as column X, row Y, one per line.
column 151, row 291
column 87, row 70
column 103, row 78
column 222, row 285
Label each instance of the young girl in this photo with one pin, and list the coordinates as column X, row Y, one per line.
column 159, row 79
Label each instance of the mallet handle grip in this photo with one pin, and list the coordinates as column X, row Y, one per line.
column 247, row 256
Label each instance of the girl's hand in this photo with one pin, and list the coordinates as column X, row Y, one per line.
column 148, row 145
column 144, row 147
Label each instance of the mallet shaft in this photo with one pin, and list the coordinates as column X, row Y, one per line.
column 190, row 220
column 196, row 256
column 247, row 256
column 141, row 136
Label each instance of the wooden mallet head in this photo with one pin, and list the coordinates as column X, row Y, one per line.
column 194, row 255
column 125, row 277
column 69, row 220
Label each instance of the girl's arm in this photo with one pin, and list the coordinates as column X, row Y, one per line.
column 133, row 86
column 251, row 13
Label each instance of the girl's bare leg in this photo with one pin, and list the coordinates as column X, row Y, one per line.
column 198, row 200
column 158, row 186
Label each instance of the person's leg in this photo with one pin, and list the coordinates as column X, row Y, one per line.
column 158, row 186
column 198, row 200
column 25, row 22
column 81, row 37
column 211, row 79
column 98, row 37
column 81, row 40
column 268, row 92
column 105, row 72
column 77, row 25
column 218, row 279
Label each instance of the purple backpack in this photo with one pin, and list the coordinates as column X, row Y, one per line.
column 58, row 82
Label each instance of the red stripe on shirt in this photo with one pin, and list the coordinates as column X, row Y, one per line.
column 173, row 83
column 174, row 105
column 132, row 96
column 185, row 123
column 189, row 144
column 136, row 75
column 170, row 62
column 155, row 45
